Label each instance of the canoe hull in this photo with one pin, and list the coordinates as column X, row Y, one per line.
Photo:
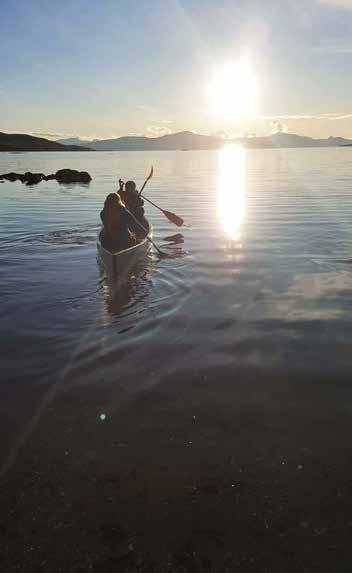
column 118, row 264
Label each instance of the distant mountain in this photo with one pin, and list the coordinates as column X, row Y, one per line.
column 23, row 142
column 174, row 141
column 279, row 140
column 187, row 140
column 74, row 141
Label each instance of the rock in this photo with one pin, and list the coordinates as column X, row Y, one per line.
column 62, row 176
column 28, row 178
column 32, row 178
column 12, row 176
column 72, row 176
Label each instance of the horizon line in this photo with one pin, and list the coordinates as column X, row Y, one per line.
column 227, row 137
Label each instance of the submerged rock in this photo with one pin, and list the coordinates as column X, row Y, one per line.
column 62, row 176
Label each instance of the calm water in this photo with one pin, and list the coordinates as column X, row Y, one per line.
column 262, row 279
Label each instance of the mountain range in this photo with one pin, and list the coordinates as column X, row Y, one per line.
column 187, row 140
column 184, row 140
column 24, row 142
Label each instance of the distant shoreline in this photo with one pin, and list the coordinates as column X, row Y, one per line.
column 187, row 141
column 182, row 141
column 165, row 150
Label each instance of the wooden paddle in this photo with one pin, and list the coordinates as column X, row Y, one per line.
column 147, row 179
column 161, row 253
column 171, row 216
column 175, row 219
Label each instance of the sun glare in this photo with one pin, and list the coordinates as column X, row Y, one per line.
column 233, row 90
column 231, row 190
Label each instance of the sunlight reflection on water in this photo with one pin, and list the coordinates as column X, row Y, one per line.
column 231, row 190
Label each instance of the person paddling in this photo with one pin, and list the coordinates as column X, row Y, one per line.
column 134, row 204
column 133, row 201
column 118, row 232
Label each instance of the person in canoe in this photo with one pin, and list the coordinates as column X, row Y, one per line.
column 134, row 204
column 118, row 233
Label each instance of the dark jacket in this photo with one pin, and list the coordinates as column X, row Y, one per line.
column 118, row 236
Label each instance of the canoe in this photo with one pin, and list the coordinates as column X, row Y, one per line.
column 116, row 264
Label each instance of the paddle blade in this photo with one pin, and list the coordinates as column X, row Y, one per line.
column 151, row 173
column 173, row 218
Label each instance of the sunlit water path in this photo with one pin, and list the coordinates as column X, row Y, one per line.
column 262, row 279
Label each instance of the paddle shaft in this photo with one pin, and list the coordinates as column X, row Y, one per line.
column 175, row 219
column 151, row 202
column 146, row 231
column 147, row 179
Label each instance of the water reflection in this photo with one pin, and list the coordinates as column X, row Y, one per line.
column 123, row 293
column 231, row 190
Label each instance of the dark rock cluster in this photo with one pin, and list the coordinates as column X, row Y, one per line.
column 72, row 176
column 61, row 176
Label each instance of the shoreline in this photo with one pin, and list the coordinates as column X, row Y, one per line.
column 219, row 471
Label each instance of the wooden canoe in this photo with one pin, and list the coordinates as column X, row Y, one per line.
column 117, row 264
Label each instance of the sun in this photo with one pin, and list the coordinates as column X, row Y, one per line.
column 233, row 90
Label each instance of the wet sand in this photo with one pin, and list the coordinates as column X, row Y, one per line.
column 217, row 471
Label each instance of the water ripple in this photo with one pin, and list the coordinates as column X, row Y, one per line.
column 278, row 296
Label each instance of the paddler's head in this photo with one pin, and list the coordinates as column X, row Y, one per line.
column 110, row 199
column 113, row 200
column 113, row 208
column 130, row 187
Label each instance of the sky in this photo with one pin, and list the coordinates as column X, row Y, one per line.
column 108, row 68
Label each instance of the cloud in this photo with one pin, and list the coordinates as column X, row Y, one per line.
column 49, row 135
column 337, row 116
column 322, row 116
column 157, row 131
column 166, row 121
column 343, row 4
column 278, row 126
column 285, row 117
column 55, row 136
